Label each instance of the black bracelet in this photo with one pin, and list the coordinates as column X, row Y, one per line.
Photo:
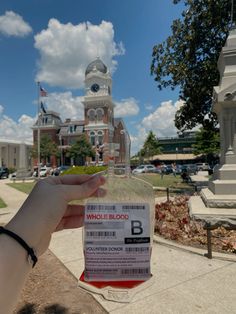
column 29, row 250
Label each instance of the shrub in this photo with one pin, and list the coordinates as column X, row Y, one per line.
column 85, row 170
column 12, row 170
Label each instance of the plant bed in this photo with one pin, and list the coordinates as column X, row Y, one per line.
column 172, row 221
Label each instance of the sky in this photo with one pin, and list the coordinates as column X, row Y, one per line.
column 53, row 42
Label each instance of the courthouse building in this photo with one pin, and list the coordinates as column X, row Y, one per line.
column 99, row 124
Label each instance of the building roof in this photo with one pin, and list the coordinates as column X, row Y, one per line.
column 97, row 65
column 117, row 121
column 74, row 122
column 16, row 142
column 174, row 157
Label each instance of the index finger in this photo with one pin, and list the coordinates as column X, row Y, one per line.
column 83, row 190
column 71, row 179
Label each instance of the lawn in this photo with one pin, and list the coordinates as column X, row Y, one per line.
column 167, row 181
column 25, row 187
column 174, row 184
column 2, row 204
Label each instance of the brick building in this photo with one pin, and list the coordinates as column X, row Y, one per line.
column 99, row 124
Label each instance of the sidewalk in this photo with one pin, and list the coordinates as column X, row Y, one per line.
column 184, row 281
column 13, row 198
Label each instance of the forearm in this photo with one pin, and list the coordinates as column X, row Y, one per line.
column 14, row 268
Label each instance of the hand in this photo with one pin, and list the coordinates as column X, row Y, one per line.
column 47, row 208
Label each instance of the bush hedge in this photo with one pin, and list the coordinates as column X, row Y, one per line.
column 85, row 170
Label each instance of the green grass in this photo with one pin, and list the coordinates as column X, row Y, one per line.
column 167, row 181
column 2, row 204
column 25, row 187
column 175, row 184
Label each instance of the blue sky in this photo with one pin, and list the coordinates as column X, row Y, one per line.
column 53, row 42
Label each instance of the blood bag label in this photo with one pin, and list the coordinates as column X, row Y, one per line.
column 117, row 241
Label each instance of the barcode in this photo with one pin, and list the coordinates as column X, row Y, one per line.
column 100, row 270
column 101, row 207
column 100, row 233
column 133, row 207
column 137, row 249
column 135, row 271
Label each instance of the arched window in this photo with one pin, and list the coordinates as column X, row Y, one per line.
column 100, row 137
column 92, row 138
column 91, row 115
column 100, row 114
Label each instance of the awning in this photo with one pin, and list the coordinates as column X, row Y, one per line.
column 174, row 157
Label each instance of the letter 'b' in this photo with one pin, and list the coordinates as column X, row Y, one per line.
column 136, row 227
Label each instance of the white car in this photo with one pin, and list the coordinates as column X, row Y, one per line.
column 202, row 166
column 44, row 171
column 144, row 169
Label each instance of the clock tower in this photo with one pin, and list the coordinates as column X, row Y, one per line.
column 98, row 108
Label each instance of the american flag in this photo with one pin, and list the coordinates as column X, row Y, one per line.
column 43, row 92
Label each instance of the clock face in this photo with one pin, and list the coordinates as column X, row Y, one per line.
column 95, row 88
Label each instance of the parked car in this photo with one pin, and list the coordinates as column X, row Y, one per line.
column 144, row 169
column 190, row 169
column 44, row 171
column 202, row 166
column 60, row 170
column 168, row 169
column 178, row 169
column 4, row 172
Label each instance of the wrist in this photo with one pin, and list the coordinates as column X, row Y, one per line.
column 31, row 232
column 32, row 258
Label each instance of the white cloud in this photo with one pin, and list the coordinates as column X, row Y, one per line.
column 67, row 49
column 126, row 107
column 66, row 105
column 161, row 122
column 16, row 130
column 12, row 24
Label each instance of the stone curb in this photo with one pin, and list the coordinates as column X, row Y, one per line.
column 174, row 245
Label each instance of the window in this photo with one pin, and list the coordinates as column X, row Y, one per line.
column 91, row 115
column 100, row 137
column 72, row 129
column 45, row 120
column 100, row 114
column 92, row 138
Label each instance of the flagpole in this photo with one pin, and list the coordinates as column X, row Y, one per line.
column 38, row 142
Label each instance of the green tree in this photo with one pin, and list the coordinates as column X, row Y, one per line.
column 48, row 148
column 150, row 147
column 80, row 150
column 207, row 143
column 188, row 58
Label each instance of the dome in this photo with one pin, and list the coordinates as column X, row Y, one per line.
column 96, row 64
